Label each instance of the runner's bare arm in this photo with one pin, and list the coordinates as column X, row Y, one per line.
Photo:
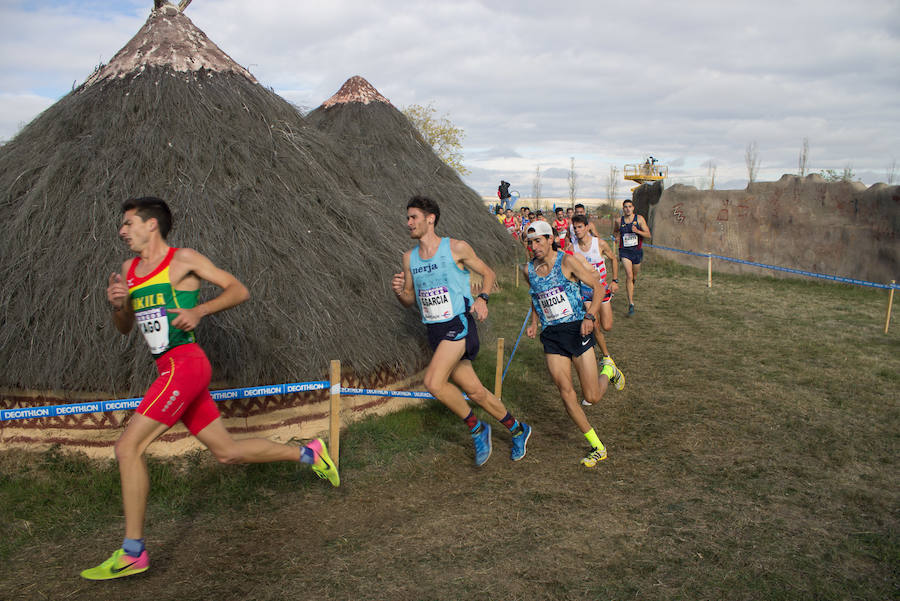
column 117, row 295
column 463, row 253
column 644, row 228
column 233, row 291
column 582, row 270
column 532, row 329
column 606, row 249
column 402, row 284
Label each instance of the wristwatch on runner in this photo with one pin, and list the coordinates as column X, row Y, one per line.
column 484, row 296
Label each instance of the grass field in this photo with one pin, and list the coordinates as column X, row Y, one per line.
column 752, row 455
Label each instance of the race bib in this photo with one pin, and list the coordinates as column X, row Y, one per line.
column 555, row 304
column 435, row 303
column 629, row 239
column 154, row 325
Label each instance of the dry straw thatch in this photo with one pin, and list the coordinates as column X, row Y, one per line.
column 391, row 161
column 251, row 185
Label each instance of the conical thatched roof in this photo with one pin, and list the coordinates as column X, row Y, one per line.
column 251, row 185
column 392, row 162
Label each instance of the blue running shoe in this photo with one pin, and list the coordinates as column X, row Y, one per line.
column 482, row 444
column 631, row 309
column 519, row 441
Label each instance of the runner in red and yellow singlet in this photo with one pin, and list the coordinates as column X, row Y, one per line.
column 157, row 291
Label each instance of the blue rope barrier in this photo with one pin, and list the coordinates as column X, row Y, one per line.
column 833, row 278
column 513, row 354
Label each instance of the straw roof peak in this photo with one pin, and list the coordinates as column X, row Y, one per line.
column 168, row 39
column 356, row 89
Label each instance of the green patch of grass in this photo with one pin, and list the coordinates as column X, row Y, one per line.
column 753, row 455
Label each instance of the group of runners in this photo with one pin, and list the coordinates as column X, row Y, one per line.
column 629, row 233
column 157, row 291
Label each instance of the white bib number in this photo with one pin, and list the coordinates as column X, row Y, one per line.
column 154, row 326
column 629, row 239
column 555, row 303
column 435, row 303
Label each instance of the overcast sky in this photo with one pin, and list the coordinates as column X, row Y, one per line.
column 533, row 84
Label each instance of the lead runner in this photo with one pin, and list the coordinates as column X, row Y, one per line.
column 157, row 290
column 436, row 277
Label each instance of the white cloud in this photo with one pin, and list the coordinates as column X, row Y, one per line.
column 533, row 83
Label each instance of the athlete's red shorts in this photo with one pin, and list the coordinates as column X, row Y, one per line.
column 182, row 389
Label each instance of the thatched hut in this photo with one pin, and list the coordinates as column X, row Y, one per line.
column 391, row 161
column 251, row 184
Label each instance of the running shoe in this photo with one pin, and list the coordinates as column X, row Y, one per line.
column 324, row 467
column 118, row 566
column 482, row 442
column 618, row 378
column 594, row 457
column 519, row 441
column 631, row 309
column 607, row 360
column 586, row 404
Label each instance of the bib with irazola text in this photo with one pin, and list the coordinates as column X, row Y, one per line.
column 435, row 303
column 555, row 303
column 629, row 239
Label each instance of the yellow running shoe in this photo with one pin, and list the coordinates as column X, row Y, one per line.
column 594, row 457
column 118, row 566
column 324, row 467
column 618, row 379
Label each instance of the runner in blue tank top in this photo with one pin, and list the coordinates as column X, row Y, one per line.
column 567, row 329
column 631, row 233
column 436, row 278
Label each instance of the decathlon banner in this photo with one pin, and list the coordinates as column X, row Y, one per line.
column 410, row 394
column 122, row 404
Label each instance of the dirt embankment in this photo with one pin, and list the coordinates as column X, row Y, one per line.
column 842, row 229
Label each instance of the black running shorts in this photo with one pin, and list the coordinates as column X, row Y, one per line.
column 632, row 254
column 565, row 339
column 461, row 326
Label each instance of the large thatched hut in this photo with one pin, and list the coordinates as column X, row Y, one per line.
column 391, row 161
column 251, row 184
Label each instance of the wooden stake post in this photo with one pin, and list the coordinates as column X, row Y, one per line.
column 887, row 318
column 498, row 376
column 334, row 429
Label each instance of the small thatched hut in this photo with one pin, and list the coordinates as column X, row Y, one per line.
column 391, row 161
column 251, row 184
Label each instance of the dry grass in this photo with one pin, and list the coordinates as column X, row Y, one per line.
column 753, row 455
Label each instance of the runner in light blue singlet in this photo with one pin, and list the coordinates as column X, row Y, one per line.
column 443, row 290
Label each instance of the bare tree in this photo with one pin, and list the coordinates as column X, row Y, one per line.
column 711, row 173
column 845, row 175
column 536, row 187
column 612, row 184
column 751, row 157
column 892, row 172
column 573, row 180
column 804, row 156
